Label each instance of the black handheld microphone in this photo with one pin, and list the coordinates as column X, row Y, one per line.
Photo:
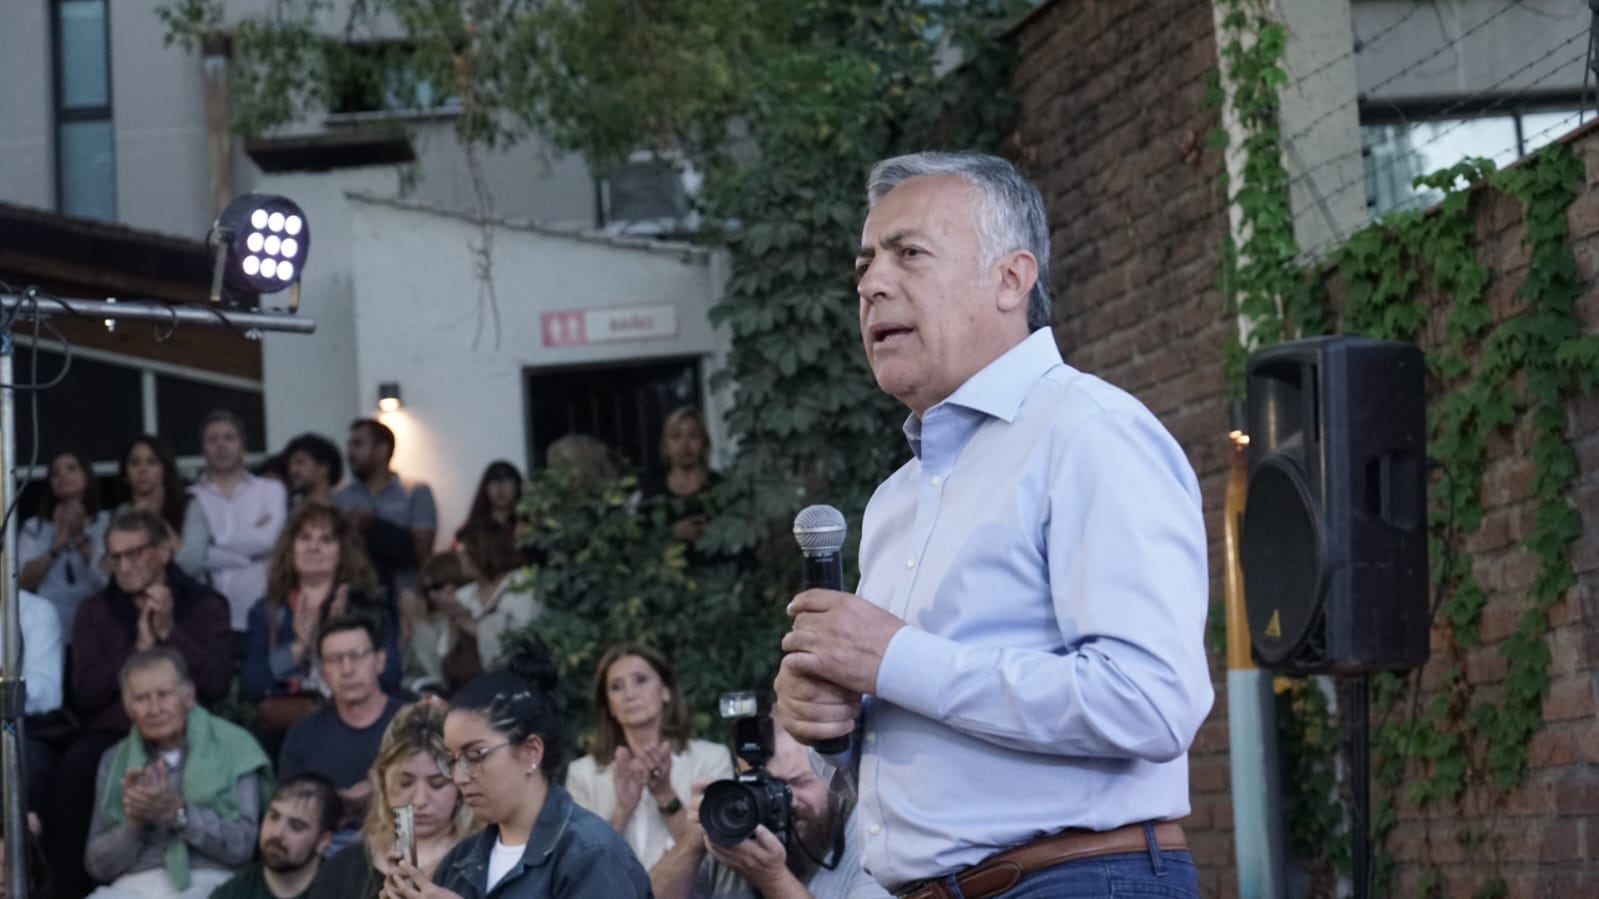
column 820, row 532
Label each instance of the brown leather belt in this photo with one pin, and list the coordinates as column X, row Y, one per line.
column 1000, row 871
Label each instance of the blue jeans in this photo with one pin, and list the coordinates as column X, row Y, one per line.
column 1151, row 874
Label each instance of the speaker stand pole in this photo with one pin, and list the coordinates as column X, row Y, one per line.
column 1359, row 697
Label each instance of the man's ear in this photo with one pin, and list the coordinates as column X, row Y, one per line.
column 1017, row 272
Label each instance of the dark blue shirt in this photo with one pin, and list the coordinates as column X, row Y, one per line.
column 323, row 744
column 571, row 854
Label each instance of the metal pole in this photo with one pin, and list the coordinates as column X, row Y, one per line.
column 13, row 690
column 161, row 313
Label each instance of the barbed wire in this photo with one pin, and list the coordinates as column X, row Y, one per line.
column 1354, row 101
column 1472, row 104
column 1362, row 44
column 1565, row 124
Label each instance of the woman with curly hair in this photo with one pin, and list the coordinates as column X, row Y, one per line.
column 318, row 570
column 408, row 771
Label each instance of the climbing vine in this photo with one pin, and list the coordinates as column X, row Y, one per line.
column 1415, row 276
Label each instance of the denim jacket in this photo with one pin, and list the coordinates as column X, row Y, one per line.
column 571, row 854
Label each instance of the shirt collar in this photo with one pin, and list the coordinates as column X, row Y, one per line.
column 548, row 829
column 998, row 389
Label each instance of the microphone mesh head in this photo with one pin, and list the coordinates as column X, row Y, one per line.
column 820, row 529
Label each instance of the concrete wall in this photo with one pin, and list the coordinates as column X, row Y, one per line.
column 417, row 311
column 27, row 166
column 1414, row 35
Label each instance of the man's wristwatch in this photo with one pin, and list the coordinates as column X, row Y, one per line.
column 672, row 807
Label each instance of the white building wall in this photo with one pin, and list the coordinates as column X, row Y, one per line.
column 416, row 321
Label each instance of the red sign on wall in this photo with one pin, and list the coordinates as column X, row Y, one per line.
column 572, row 327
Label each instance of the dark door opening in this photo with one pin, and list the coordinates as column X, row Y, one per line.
column 621, row 405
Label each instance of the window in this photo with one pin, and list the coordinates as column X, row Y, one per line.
column 1396, row 152
column 623, row 406
column 380, row 78
column 86, row 159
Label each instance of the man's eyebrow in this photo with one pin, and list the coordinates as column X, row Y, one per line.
column 896, row 239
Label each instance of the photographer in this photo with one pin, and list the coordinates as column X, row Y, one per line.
column 822, row 858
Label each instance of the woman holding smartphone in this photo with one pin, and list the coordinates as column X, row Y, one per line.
column 503, row 739
column 406, row 776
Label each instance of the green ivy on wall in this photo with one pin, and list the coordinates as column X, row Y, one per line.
column 1416, row 276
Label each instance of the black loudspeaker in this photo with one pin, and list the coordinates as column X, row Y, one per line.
column 1334, row 546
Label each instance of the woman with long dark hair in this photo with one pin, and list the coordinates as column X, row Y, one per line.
column 149, row 471
column 61, row 546
column 502, row 738
column 494, row 503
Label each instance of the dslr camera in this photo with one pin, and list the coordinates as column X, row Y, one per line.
column 732, row 809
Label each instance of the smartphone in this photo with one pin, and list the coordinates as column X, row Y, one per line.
column 405, row 832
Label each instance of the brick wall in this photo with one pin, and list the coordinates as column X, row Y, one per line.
column 1113, row 132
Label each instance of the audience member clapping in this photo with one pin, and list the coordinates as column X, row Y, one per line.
column 408, row 772
column 318, row 571
column 177, row 801
column 643, row 764
column 60, row 547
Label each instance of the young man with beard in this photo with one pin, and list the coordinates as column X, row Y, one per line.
column 297, row 827
column 821, row 861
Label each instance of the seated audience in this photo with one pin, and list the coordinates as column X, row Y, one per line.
column 494, row 503
column 822, row 858
column 245, row 513
column 177, row 801
column 149, row 603
column 643, row 764
column 502, row 736
column 296, row 828
column 442, row 650
column 493, row 598
column 318, row 571
column 59, row 549
column 149, row 471
column 315, row 468
column 409, row 771
column 340, row 740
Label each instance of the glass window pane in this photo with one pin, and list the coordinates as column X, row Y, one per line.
column 1539, row 128
column 88, row 160
column 181, row 404
column 112, row 391
column 82, row 55
column 1397, row 153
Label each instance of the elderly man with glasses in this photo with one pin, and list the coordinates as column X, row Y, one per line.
column 148, row 603
column 340, row 741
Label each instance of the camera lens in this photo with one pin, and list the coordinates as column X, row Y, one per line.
column 730, row 812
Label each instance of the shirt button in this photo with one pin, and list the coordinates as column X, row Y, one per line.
column 910, row 563
column 876, row 830
column 871, row 737
column 937, row 480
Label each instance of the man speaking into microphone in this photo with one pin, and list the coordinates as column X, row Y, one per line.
column 1026, row 650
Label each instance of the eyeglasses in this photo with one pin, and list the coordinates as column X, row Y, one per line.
column 337, row 659
column 468, row 763
column 127, row 555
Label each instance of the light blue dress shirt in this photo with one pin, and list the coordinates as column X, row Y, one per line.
column 1047, row 548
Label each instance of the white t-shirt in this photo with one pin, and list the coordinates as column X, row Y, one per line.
column 502, row 859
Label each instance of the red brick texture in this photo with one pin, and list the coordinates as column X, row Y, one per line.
column 1112, row 129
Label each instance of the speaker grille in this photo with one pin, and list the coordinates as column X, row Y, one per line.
column 1282, row 558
